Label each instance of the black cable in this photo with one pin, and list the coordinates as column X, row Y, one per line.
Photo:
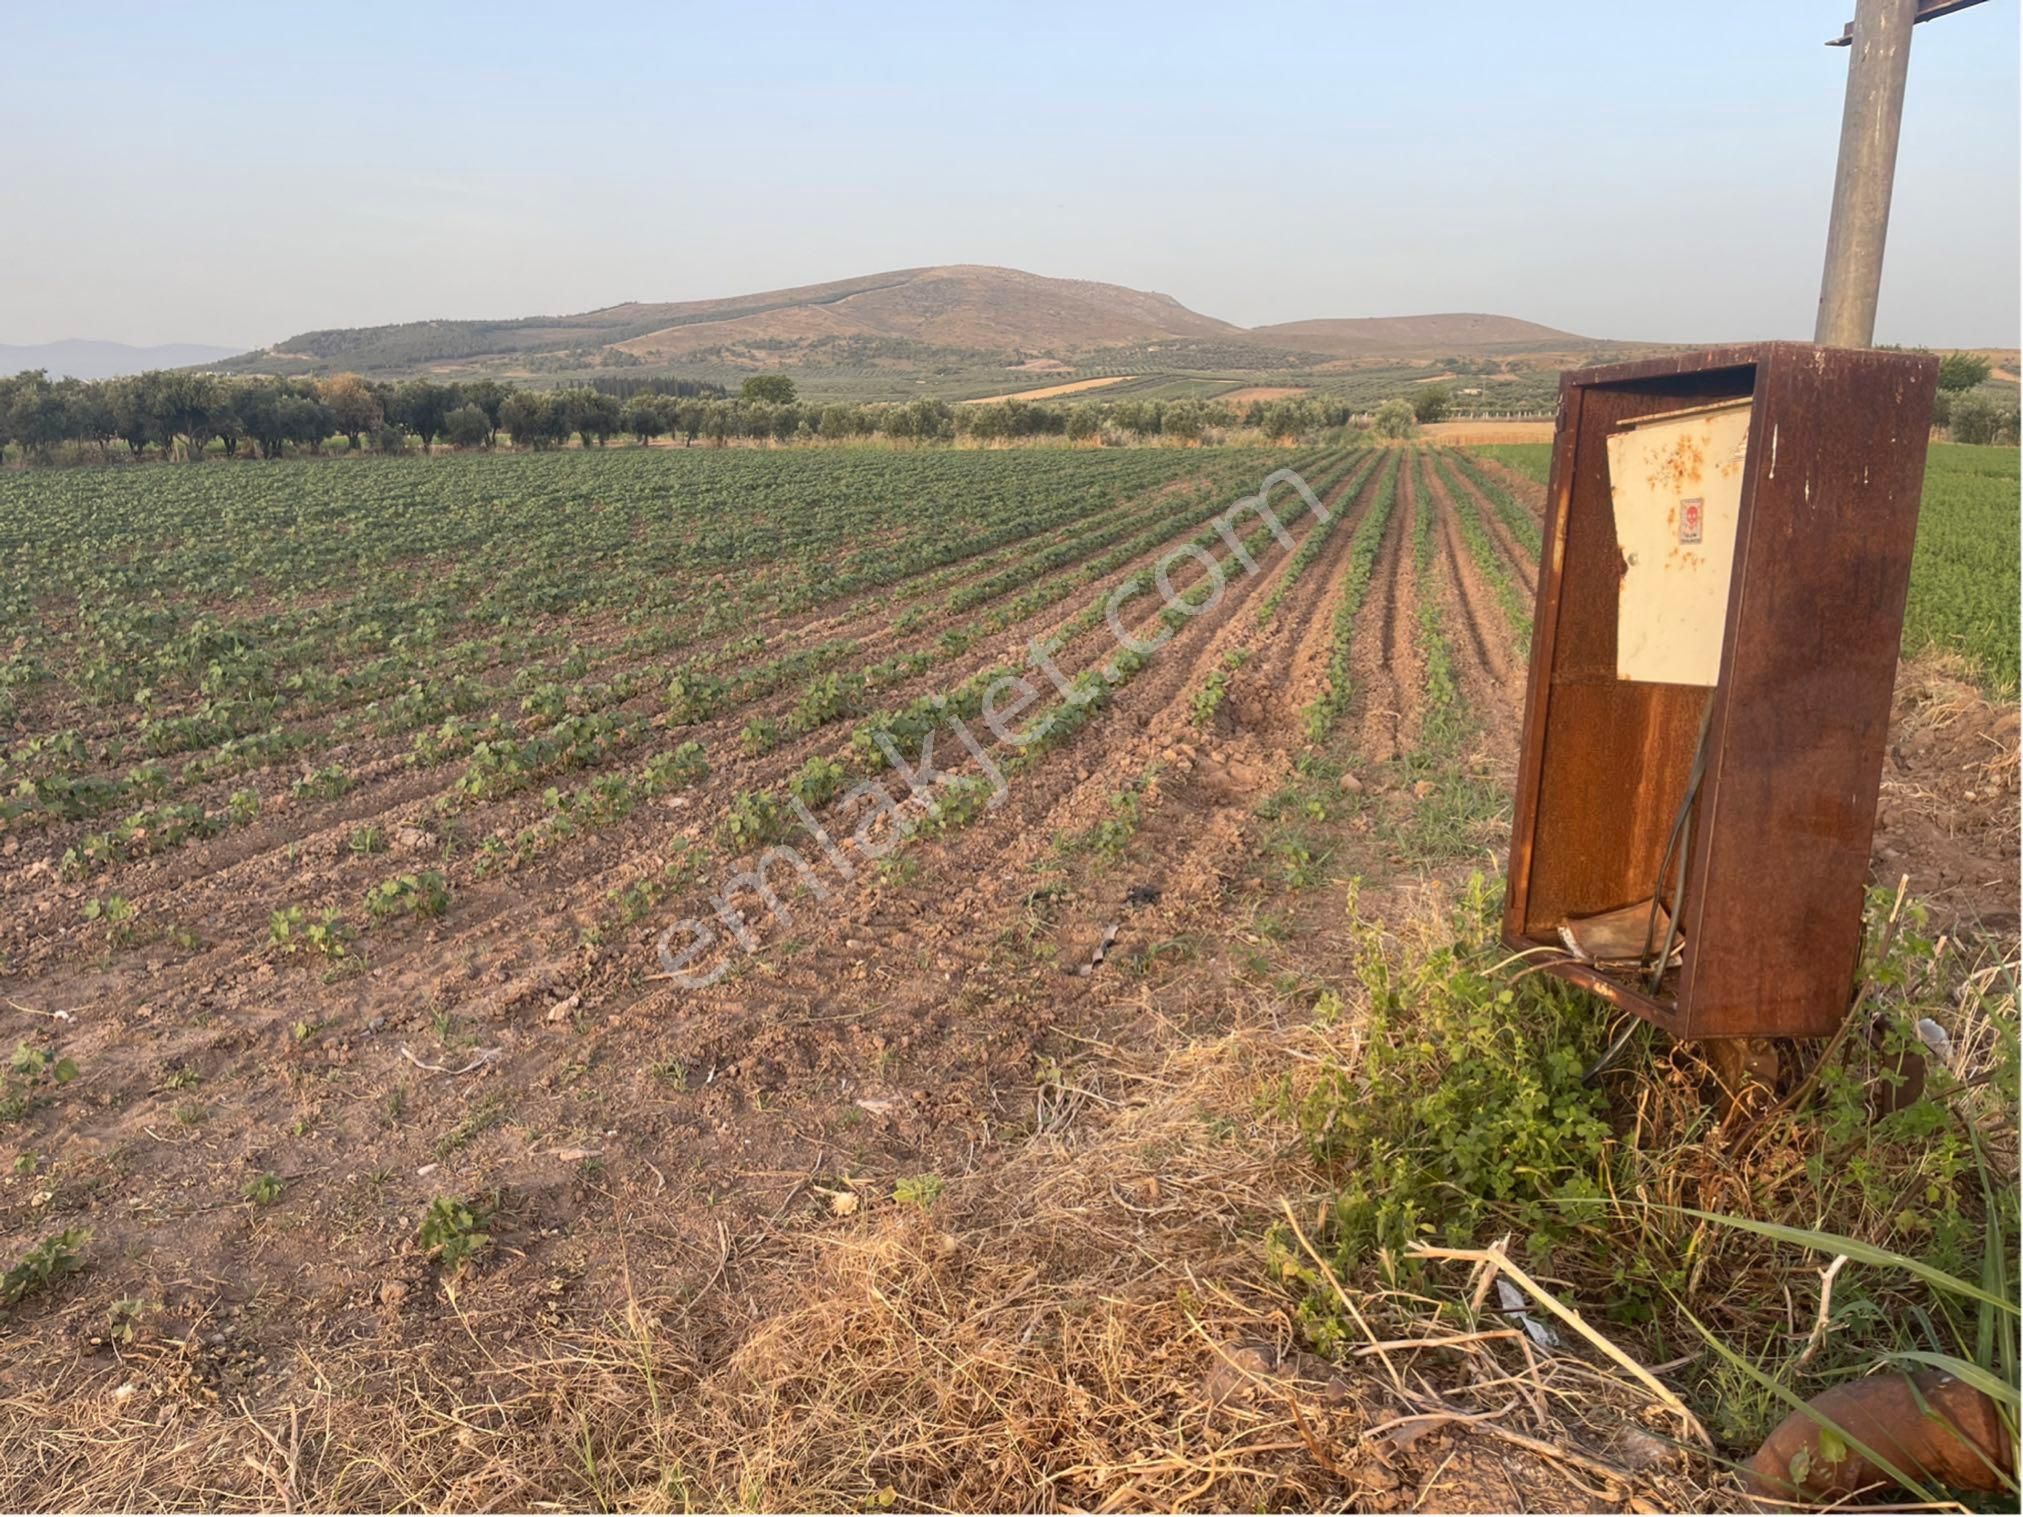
column 1607, row 1060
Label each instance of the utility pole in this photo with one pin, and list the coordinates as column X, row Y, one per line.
column 1879, row 62
column 1879, row 46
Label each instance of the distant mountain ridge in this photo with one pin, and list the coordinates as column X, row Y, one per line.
column 903, row 315
column 1454, row 331
column 86, row 358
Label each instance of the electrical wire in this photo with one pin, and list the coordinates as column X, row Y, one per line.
column 1679, row 821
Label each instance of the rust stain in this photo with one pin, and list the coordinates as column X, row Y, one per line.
column 1685, row 464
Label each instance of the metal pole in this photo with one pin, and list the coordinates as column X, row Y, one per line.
column 1877, row 65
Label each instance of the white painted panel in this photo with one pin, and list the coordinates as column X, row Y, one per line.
column 1676, row 482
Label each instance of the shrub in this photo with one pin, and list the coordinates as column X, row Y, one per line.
column 1395, row 418
column 1469, row 1101
column 1977, row 418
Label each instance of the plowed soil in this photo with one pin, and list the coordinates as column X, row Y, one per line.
column 930, row 1018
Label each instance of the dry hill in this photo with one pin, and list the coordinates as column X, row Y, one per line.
column 903, row 318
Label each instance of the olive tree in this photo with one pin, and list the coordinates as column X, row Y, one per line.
column 1395, row 418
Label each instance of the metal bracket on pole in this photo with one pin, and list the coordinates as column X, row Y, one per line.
column 1928, row 10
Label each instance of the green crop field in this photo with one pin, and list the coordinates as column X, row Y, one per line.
column 1531, row 459
column 1964, row 578
column 192, row 646
column 1965, row 594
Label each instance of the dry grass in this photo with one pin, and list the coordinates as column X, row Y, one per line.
column 1457, row 434
column 1093, row 1326
column 1050, row 392
column 1037, row 1340
column 1251, row 393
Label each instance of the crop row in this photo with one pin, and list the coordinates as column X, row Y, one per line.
column 1326, row 709
column 1489, row 563
column 1317, row 539
column 1522, row 525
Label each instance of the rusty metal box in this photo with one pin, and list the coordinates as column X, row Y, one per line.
column 1785, row 704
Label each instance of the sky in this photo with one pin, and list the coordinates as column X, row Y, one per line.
column 235, row 174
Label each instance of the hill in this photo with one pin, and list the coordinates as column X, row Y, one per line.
column 959, row 308
column 934, row 317
column 81, row 358
column 1460, row 331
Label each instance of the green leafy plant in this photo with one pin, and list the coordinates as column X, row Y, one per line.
column 123, row 1319
column 55, row 1256
column 676, row 769
column 1209, row 698
column 1469, row 1104
column 919, row 1190
column 117, row 913
column 30, row 1074
column 958, row 802
column 761, row 735
column 693, row 696
column 753, row 820
column 829, row 698
column 818, row 782
column 263, row 1189
column 452, row 1231
column 291, row 931
column 325, row 784
column 425, row 894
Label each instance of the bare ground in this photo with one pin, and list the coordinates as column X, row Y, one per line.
column 904, row 1211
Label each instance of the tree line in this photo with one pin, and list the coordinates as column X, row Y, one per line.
column 190, row 415
column 184, row 413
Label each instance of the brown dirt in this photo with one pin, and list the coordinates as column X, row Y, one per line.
column 1947, row 814
column 1490, row 658
column 702, row 1286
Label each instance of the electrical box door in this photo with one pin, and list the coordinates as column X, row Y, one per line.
column 1676, row 482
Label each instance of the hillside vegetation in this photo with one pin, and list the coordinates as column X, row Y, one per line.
column 922, row 318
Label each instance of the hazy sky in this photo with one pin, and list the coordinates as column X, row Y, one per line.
column 212, row 173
